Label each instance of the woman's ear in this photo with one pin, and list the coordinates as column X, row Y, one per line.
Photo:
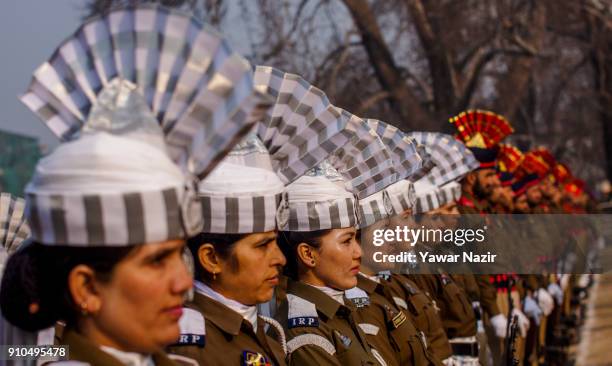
column 208, row 258
column 307, row 255
column 82, row 286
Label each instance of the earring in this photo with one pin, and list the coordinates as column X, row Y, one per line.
column 312, row 262
column 33, row 308
column 84, row 308
column 214, row 276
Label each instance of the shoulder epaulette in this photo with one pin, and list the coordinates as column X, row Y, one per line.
column 193, row 328
column 301, row 313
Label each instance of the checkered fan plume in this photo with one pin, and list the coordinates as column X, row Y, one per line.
column 302, row 128
column 189, row 77
column 452, row 158
column 402, row 148
column 364, row 162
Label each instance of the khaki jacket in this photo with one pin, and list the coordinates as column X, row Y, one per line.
column 82, row 350
column 421, row 308
column 388, row 329
column 229, row 339
column 456, row 310
column 320, row 330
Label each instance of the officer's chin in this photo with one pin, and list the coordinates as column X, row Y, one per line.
column 348, row 282
column 171, row 336
column 265, row 296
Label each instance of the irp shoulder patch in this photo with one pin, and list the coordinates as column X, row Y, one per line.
column 301, row 313
column 358, row 297
column 385, row 275
column 193, row 329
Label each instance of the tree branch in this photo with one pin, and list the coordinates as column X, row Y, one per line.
column 440, row 68
column 402, row 100
column 370, row 101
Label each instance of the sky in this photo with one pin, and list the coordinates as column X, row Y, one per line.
column 29, row 32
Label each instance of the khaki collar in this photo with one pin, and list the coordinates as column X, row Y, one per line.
column 222, row 316
column 367, row 284
column 324, row 303
column 82, row 349
column 231, row 322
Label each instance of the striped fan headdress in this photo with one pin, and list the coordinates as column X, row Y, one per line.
column 327, row 197
column 297, row 133
column 398, row 196
column 364, row 161
column 135, row 95
column 13, row 226
column 452, row 160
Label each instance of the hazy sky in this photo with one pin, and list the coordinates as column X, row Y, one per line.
column 29, row 32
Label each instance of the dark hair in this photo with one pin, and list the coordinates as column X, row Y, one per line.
column 224, row 247
column 38, row 274
column 288, row 241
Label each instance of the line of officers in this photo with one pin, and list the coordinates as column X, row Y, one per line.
column 324, row 308
column 329, row 310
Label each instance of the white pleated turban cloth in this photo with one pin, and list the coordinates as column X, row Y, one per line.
column 317, row 201
column 374, row 207
column 242, row 193
column 430, row 197
column 426, row 196
column 393, row 200
column 109, row 190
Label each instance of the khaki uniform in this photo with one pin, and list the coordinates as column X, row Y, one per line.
column 320, row 330
column 82, row 350
column 456, row 310
column 387, row 328
column 422, row 310
column 229, row 338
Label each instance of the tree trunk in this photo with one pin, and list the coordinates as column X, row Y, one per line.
column 602, row 73
column 512, row 87
column 440, row 67
column 413, row 115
